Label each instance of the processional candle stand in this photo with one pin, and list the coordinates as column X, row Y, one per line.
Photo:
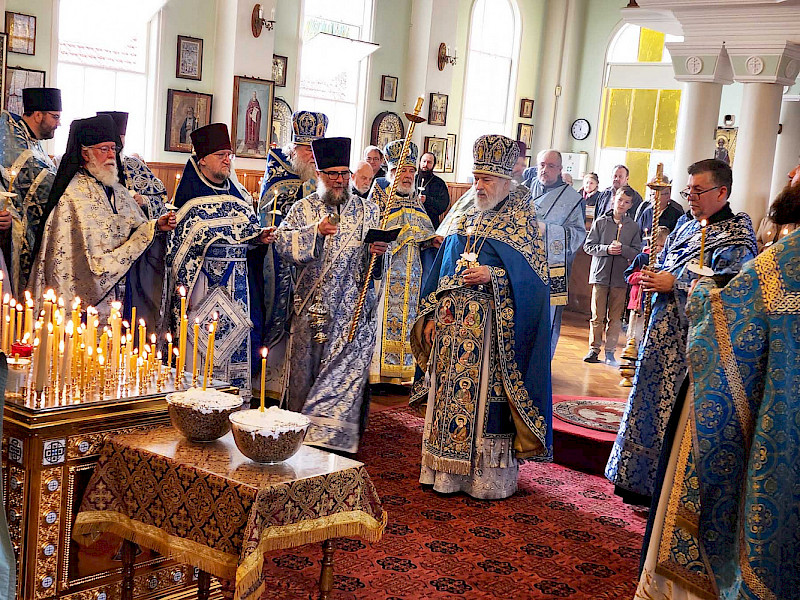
column 630, row 355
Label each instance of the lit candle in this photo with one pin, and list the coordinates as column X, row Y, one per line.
column 169, row 350
column 19, row 322
column 619, row 230
column 184, row 325
column 12, row 324
column 116, row 332
column 28, row 315
column 785, row 231
column 142, row 335
column 209, row 366
column 4, row 333
column 101, row 364
column 274, row 208
column 44, row 345
column 703, row 224
column 263, row 376
column 66, row 356
column 133, row 324
column 194, row 352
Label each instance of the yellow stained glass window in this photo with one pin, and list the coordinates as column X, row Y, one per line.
column 637, row 163
column 651, row 45
column 618, row 108
column 642, row 119
column 666, row 120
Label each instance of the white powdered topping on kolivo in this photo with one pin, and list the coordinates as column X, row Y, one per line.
column 270, row 423
column 204, row 401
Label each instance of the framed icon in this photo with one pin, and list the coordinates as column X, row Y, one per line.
column 189, row 63
column 438, row 147
column 251, row 125
column 16, row 80
column 525, row 133
column 437, row 109
column 279, row 64
column 21, row 31
column 388, row 88
column 186, row 111
column 526, row 108
column 387, row 127
column 450, row 160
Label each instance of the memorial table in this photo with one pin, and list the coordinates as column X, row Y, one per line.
column 210, row 506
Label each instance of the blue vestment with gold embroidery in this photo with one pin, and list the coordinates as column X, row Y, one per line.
column 733, row 531
column 730, row 242
column 281, row 181
column 516, row 305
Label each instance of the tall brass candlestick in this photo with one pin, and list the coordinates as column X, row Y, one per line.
column 703, row 224
column 413, row 119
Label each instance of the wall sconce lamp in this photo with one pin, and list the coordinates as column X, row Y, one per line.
column 258, row 22
column 445, row 58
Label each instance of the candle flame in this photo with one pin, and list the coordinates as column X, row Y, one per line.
column 182, row 291
column 158, row 355
column 264, row 353
column 786, row 231
column 216, row 315
column 197, row 320
column 70, row 328
column 169, row 338
column 6, row 298
column 703, row 223
column 141, row 322
column 101, row 360
column 176, row 352
column 153, row 339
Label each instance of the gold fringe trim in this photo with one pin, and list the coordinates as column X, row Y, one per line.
column 356, row 523
column 90, row 523
column 446, row 465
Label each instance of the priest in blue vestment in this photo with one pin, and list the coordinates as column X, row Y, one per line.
column 29, row 172
column 324, row 237
column 482, row 339
column 726, row 521
column 208, row 256
column 559, row 207
column 147, row 189
column 727, row 243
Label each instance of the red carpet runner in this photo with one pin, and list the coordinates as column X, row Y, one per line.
column 562, row 535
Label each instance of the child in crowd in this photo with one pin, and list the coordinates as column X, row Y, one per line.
column 633, row 275
column 613, row 242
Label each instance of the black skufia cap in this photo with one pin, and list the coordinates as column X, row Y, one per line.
column 211, row 138
column 120, row 119
column 42, row 99
column 331, row 152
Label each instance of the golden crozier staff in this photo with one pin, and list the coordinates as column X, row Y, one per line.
column 413, row 118
column 657, row 184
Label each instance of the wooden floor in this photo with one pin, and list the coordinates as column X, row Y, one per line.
column 570, row 375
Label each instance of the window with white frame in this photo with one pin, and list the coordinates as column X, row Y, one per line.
column 491, row 63
column 102, row 65
column 332, row 70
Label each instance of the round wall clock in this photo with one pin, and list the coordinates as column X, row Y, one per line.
column 580, row 129
column 386, row 127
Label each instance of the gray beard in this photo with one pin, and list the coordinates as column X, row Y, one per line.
column 108, row 176
column 330, row 199
column 303, row 170
column 488, row 204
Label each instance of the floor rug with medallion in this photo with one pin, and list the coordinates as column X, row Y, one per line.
column 562, row 535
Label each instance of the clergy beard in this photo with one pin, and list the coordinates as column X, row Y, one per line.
column 785, row 208
column 488, row 203
column 405, row 188
column 104, row 173
column 333, row 197
column 303, row 170
column 360, row 191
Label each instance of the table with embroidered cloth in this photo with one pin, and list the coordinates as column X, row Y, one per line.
column 210, row 506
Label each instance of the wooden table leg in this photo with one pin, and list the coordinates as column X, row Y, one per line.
column 203, row 585
column 128, row 558
column 326, row 574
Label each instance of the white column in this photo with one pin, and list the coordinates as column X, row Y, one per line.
column 755, row 148
column 224, row 60
column 697, row 122
column 787, row 150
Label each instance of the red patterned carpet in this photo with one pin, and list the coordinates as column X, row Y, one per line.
column 562, row 535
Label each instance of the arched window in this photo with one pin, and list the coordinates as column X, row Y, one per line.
column 640, row 106
column 491, row 68
column 332, row 70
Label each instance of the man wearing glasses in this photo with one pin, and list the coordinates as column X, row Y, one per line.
column 728, row 242
column 217, row 245
column 412, row 254
column 29, row 171
column 324, row 237
column 97, row 243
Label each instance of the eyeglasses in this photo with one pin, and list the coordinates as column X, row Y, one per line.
column 105, row 148
column 56, row 116
column 686, row 194
column 223, row 155
column 334, row 175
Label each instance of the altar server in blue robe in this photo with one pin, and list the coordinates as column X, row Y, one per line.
column 560, row 208
column 725, row 525
column 208, row 256
column 482, row 339
column 728, row 243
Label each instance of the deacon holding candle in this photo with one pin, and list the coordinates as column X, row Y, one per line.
column 727, row 241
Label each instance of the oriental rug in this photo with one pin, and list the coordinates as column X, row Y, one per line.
column 601, row 414
column 562, row 535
